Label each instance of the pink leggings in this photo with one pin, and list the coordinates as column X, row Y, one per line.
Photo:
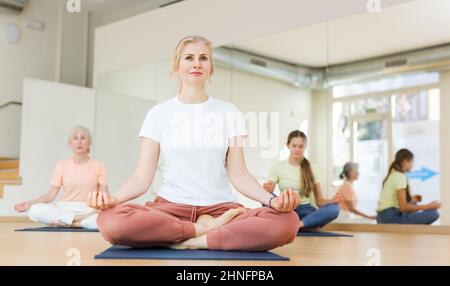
column 162, row 223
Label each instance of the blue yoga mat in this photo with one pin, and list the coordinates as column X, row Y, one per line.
column 323, row 233
column 123, row 252
column 57, row 229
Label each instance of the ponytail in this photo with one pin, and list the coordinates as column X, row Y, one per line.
column 348, row 167
column 307, row 181
column 401, row 156
column 307, row 178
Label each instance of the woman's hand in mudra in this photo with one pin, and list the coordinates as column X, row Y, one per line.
column 101, row 200
column 286, row 202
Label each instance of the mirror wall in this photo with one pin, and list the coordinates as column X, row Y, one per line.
column 356, row 88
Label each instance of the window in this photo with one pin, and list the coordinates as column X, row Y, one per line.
column 385, row 84
column 370, row 128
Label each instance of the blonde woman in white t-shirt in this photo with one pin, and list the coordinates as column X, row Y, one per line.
column 200, row 140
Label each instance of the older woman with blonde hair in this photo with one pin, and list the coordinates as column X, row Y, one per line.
column 77, row 176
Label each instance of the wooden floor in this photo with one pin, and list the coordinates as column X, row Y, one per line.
column 43, row 248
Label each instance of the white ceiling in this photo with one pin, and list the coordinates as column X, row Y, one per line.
column 413, row 25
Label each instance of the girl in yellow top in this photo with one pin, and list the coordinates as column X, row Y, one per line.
column 396, row 205
column 77, row 175
column 299, row 174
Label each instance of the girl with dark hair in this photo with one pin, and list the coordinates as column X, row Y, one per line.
column 299, row 174
column 396, row 205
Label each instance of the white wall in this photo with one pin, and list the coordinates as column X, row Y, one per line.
column 50, row 110
column 10, row 122
column 74, row 47
column 36, row 54
column 109, row 12
column 320, row 138
column 140, row 82
column 445, row 151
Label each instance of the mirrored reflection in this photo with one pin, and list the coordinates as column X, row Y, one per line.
column 384, row 97
column 357, row 94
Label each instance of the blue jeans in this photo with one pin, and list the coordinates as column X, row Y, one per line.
column 313, row 217
column 393, row 215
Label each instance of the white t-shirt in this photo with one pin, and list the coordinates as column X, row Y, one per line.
column 193, row 144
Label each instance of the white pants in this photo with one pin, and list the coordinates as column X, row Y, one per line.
column 64, row 212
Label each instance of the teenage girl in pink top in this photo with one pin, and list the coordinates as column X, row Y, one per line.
column 78, row 176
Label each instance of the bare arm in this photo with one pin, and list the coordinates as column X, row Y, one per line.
column 352, row 208
column 103, row 188
column 347, row 197
column 143, row 176
column 247, row 185
column 48, row 197
column 320, row 199
column 137, row 184
column 404, row 206
column 44, row 199
column 269, row 186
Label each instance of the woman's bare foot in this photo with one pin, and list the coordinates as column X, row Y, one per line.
column 58, row 224
column 76, row 224
column 301, row 225
column 192, row 243
column 204, row 224
column 80, row 217
column 211, row 223
column 303, row 228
